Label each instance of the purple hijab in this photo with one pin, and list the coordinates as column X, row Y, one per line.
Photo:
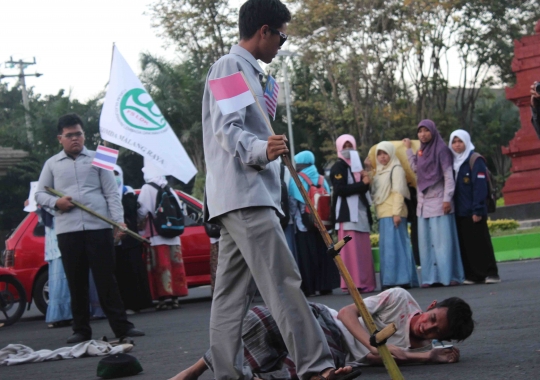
column 433, row 158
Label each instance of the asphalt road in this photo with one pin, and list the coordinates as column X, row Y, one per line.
column 504, row 345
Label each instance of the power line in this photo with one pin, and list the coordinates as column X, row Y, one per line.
column 26, row 102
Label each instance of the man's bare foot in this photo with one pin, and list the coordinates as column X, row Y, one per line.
column 193, row 372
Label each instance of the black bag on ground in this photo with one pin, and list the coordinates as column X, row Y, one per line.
column 284, row 220
column 119, row 365
column 168, row 218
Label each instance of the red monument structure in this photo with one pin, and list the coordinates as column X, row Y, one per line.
column 523, row 186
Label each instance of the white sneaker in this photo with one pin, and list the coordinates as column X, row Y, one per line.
column 493, row 280
column 468, row 282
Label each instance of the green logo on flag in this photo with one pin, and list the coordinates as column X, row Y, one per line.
column 139, row 111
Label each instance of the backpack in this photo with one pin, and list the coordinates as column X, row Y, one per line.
column 321, row 200
column 284, row 220
column 491, row 198
column 168, row 218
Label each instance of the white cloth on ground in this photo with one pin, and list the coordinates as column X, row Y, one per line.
column 14, row 354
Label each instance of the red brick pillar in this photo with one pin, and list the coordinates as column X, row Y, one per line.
column 523, row 186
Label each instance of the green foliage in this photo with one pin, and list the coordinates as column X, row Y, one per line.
column 198, row 188
column 14, row 189
column 44, row 113
column 502, row 225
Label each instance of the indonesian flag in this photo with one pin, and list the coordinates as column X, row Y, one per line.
column 105, row 158
column 231, row 93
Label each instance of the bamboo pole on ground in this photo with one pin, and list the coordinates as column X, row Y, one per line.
column 333, row 250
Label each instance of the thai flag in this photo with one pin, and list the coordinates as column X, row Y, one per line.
column 231, row 93
column 105, row 158
column 271, row 96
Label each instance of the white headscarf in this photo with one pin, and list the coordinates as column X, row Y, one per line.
column 383, row 185
column 153, row 173
column 459, row 158
column 120, row 172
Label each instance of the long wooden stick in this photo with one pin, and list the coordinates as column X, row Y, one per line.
column 384, row 352
column 99, row 216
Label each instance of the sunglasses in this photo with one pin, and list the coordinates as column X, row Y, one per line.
column 69, row 136
column 282, row 36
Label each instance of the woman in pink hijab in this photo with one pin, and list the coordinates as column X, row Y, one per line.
column 351, row 212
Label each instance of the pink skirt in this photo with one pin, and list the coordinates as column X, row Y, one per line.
column 358, row 259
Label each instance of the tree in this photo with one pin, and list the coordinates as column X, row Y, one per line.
column 202, row 30
column 44, row 111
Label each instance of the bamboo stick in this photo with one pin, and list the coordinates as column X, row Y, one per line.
column 99, row 216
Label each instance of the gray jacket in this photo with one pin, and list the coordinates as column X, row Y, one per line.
column 87, row 184
column 239, row 174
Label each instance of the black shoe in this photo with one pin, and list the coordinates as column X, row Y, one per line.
column 134, row 332
column 78, row 338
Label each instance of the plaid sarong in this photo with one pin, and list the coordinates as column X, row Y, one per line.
column 264, row 349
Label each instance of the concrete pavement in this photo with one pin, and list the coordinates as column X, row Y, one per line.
column 505, row 344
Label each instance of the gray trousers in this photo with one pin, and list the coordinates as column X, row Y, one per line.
column 253, row 253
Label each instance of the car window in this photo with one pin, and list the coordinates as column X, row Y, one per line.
column 193, row 215
column 39, row 230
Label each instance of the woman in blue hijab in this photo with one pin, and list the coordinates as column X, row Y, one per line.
column 319, row 273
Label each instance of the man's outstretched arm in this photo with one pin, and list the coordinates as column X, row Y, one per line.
column 435, row 355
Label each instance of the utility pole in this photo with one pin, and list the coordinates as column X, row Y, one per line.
column 26, row 102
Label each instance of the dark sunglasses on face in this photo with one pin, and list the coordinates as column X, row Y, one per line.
column 69, row 136
column 282, row 36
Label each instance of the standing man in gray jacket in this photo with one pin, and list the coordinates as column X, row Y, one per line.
column 85, row 241
column 242, row 194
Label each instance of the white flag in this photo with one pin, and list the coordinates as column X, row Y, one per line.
column 131, row 119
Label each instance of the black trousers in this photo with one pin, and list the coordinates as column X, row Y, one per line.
column 476, row 249
column 84, row 250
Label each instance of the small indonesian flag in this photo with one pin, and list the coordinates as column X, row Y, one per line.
column 271, row 96
column 105, row 158
column 231, row 92
column 481, row 175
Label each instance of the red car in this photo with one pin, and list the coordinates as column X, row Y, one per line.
column 25, row 251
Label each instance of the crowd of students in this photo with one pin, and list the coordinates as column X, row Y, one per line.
column 441, row 189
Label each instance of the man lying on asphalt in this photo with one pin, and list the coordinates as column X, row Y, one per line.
column 346, row 334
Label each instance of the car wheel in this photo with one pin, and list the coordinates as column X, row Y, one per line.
column 41, row 292
column 12, row 300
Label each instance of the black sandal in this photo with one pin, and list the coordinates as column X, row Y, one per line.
column 55, row 325
column 344, row 376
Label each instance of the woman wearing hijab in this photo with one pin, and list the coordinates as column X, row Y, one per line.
column 471, row 211
column 318, row 271
column 437, row 233
column 350, row 210
column 130, row 268
column 389, row 189
column 166, row 272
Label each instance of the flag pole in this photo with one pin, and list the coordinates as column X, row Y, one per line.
column 333, row 250
column 99, row 216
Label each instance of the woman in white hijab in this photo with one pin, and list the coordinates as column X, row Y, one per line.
column 389, row 189
column 166, row 271
column 470, row 196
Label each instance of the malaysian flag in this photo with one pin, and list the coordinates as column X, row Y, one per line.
column 105, row 158
column 271, row 96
